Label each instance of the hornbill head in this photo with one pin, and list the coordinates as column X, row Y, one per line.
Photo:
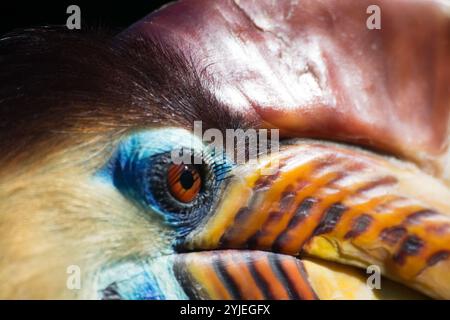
column 92, row 128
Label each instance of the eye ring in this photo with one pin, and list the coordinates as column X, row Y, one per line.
column 184, row 182
column 181, row 203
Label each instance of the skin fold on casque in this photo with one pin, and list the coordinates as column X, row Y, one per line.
column 88, row 122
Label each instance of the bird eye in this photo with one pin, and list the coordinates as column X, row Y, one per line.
column 180, row 193
column 184, row 182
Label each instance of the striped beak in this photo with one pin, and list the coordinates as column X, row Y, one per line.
column 236, row 274
column 322, row 201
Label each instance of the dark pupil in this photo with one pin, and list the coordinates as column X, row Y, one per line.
column 187, row 179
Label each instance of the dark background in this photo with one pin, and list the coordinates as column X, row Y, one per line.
column 116, row 15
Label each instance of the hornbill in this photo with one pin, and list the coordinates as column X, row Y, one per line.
column 89, row 121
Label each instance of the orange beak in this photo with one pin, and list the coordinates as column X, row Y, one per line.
column 334, row 203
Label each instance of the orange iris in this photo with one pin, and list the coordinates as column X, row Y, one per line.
column 184, row 182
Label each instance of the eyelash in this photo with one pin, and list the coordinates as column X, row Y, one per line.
column 219, row 165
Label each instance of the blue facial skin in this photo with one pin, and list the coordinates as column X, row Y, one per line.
column 131, row 166
column 133, row 159
column 128, row 170
column 136, row 280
